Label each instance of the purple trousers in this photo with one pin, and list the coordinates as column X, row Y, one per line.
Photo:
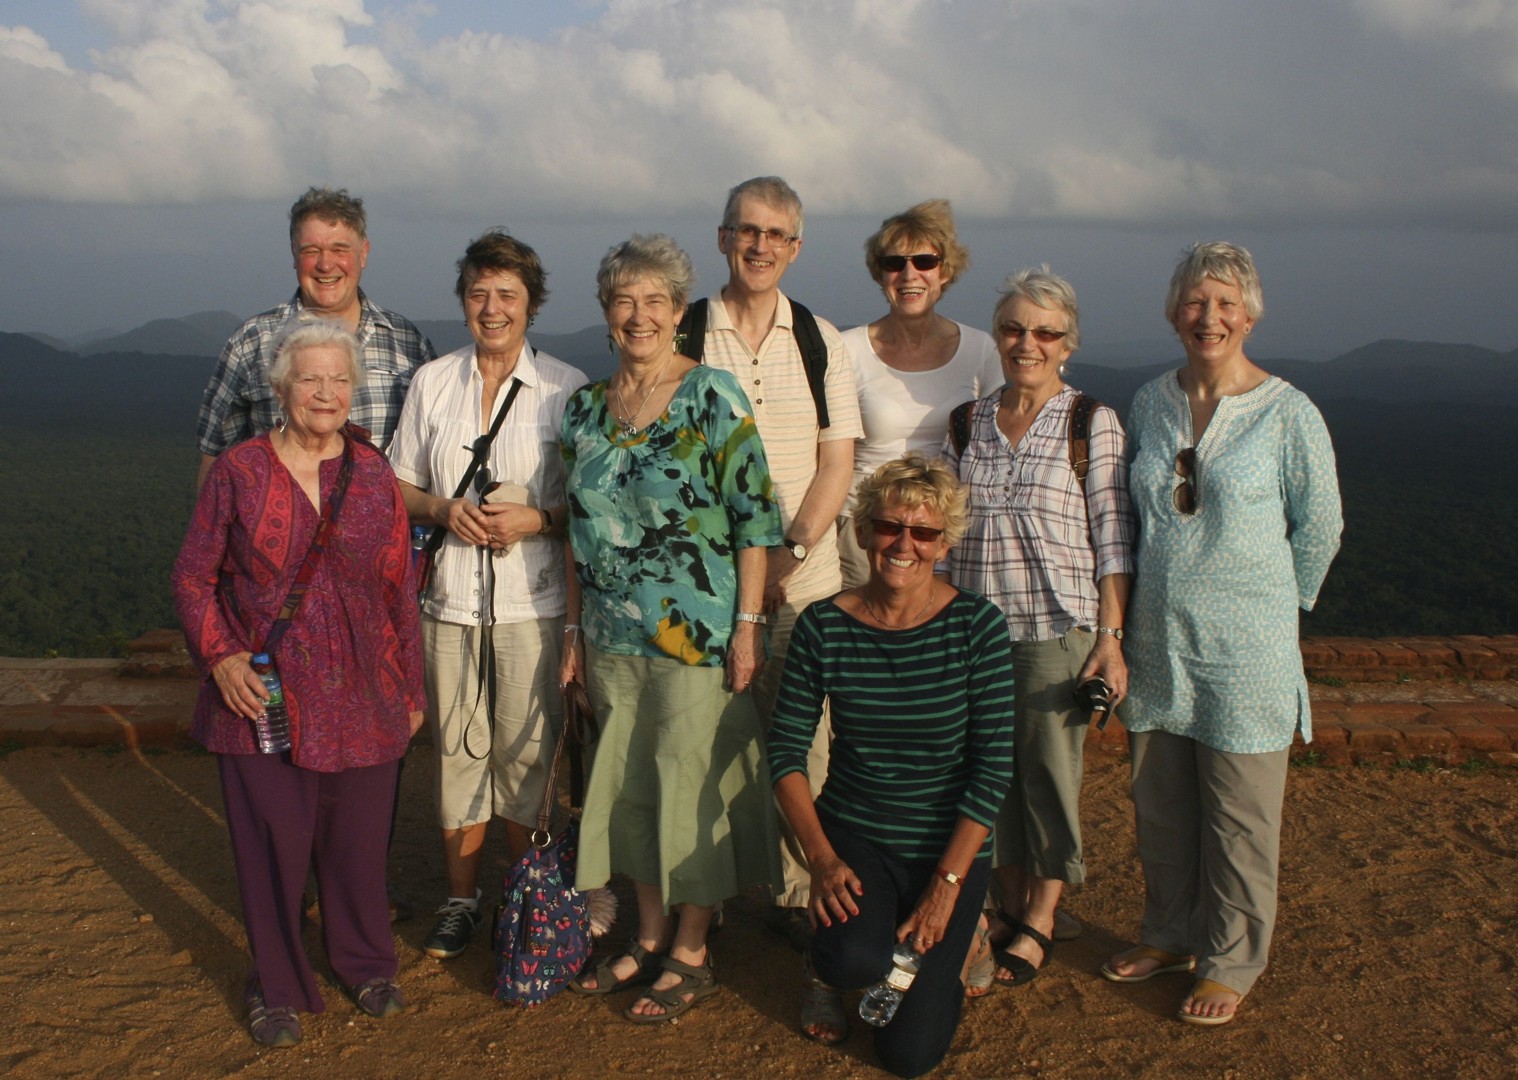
column 283, row 819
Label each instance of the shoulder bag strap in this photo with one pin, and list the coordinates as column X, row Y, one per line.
column 481, row 451
column 318, row 546
column 691, row 332
column 1080, row 437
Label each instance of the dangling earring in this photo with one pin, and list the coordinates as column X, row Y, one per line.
column 280, row 423
column 1062, row 371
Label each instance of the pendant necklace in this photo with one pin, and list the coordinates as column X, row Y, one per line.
column 630, row 424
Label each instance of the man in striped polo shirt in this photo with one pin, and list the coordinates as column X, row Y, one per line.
column 752, row 333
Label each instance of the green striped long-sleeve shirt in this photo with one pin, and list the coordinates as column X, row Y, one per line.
column 922, row 721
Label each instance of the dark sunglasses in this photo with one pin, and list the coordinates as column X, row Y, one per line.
column 1185, row 494
column 895, row 264
column 923, row 534
column 1043, row 335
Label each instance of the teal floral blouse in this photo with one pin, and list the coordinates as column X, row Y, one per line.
column 656, row 519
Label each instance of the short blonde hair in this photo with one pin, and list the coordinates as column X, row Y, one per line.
column 930, row 223
column 910, row 482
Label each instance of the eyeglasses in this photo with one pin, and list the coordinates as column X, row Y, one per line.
column 923, row 261
column 1043, row 335
column 1185, row 497
column 750, row 234
column 923, row 534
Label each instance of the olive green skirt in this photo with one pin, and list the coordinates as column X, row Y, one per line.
column 679, row 793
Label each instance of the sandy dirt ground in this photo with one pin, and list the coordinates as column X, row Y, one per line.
column 124, row 955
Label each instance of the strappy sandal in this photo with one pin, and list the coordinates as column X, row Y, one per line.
column 607, row 983
column 695, row 980
column 1169, row 964
column 1023, row 971
column 275, row 1026
column 822, row 1006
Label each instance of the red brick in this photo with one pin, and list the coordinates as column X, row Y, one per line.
column 1326, row 735
column 1318, row 653
column 1394, row 655
column 1393, row 713
column 1481, row 738
column 1372, row 737
column 1426, row 740
column 1482, row 711
column 1503, row 757
column 1432, row 652
column 1338, row 756
column 1356, row 652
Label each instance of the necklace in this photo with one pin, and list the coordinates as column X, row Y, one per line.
column 629, row 425
column 904, row 624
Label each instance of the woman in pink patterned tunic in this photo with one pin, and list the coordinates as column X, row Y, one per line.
column 352, row 673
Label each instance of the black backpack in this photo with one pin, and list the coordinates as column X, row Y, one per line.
column 814, row 351
column 1080, row 433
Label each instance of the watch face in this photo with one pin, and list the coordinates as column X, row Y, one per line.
column 798, row 550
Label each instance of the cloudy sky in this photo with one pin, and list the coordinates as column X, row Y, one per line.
column 1365, row 150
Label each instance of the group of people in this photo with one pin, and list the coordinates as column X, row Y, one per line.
column 877, row 580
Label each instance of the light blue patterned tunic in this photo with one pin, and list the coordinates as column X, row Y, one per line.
column 1212, row 634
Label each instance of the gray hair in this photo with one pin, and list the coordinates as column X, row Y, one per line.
column 651, row 256
column 1045, row 289
column 324, row 204
column 1220, row 261
column 767, row 189
column 306, row 332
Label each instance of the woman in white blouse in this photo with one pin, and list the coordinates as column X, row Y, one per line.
column 912, row 366
column 492, row 620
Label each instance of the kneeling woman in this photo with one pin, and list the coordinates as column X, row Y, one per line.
column 918, row 676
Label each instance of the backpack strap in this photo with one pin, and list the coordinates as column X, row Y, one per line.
column 691, row 333
column 1080, row 437
column 814, row 351
column 959, row 427
column 814, row 357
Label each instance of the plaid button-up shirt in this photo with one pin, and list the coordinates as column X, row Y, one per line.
column 1035, row 547
column 239, row 402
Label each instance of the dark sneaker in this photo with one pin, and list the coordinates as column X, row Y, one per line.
column 378, row 997
column 450, row 935
column 270, row 1026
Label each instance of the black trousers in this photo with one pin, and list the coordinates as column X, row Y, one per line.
column 852, row 955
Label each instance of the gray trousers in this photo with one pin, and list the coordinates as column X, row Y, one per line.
column 1039, row 826
column 1209, row 836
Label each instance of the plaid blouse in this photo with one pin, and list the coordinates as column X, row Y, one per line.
column 1034, row 546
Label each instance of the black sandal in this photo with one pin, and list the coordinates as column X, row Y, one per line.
column 822, row 1006
column 649, row 966
column 1023, row 971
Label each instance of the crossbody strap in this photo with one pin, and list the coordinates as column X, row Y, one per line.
column 318, row 545
column 480, row 451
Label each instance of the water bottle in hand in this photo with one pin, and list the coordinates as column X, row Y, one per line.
column 880, row 1002
column 272, row 728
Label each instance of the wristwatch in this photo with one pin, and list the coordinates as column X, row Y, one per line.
column 798, row 550
column 753, row 617
column 1115, row 631
column 948, row 875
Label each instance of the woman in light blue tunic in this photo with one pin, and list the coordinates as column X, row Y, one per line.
column 1233, row 481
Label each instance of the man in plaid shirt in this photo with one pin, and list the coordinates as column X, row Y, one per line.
column 329, row 241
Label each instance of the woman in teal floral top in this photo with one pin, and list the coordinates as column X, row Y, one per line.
column 670, row 513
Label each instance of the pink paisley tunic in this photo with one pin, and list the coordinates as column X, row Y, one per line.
column 351, row 659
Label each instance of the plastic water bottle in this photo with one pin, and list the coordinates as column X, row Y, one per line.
column 272, row 728
column 880, row 1002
